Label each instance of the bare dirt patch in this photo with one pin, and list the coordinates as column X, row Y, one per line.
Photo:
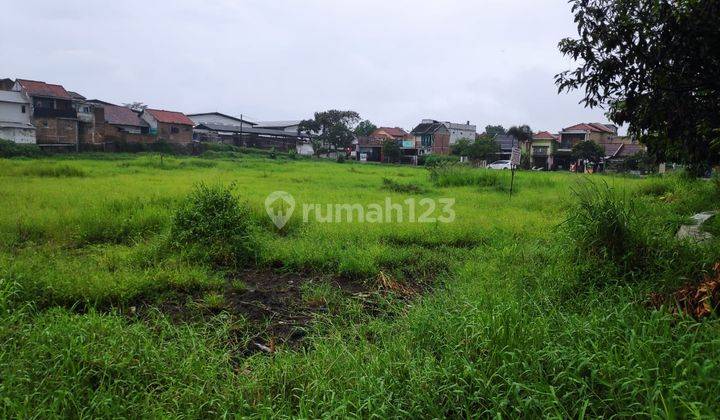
column 275, row 308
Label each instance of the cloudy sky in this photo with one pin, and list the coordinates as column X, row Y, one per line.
column 393, row 61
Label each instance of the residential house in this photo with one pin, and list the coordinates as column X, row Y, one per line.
column 461, row 131
column 15, row 120
column 369, row 148
column 542, row 150
column 53, row 112
column 219, row 118
column 431, row 138
column 120, row 120
column 91, row 119
column 505, row 145
column 169, row 126
column 570, row 136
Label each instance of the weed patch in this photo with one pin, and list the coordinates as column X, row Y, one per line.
column 213, row 226
column 408, row 188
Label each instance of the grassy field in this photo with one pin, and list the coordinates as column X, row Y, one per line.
column 535, row 305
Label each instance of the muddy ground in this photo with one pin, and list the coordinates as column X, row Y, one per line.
column 276, row 308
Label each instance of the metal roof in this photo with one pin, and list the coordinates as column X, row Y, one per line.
column 249, row 130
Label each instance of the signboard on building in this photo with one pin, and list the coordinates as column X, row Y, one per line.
column 515, row 156
column 408, row 144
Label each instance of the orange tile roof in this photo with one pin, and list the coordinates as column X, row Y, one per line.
column 37, row 88
column 170, row 117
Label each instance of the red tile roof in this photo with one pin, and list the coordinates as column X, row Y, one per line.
column 594, row 127
column 36, row 88
column 170, row 117
column 120, row 115
column 393, row 131
column 544, row 135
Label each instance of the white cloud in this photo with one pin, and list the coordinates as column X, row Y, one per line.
column 395, row 62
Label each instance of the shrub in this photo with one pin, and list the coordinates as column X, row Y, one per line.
column 607, row 234
column 393, row 185
column 54, row 171
column 11, row 149
column 212, row 225
column 341, row 158
column 435, row 160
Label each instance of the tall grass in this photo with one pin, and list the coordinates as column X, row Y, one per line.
column 494, row 334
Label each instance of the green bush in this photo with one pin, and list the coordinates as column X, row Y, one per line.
column 212, row 225
column 392, row 185
column 11, row 149
column 608, row 235
column 435, row 160
column 54, row 171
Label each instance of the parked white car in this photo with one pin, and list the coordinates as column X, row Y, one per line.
column 500, row 164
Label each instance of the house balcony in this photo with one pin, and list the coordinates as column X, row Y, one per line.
column 54, row 113
column 540, row 152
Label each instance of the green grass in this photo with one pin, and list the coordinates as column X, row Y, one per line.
column 507, row 323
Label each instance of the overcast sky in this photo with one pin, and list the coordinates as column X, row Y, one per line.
column 394, row 61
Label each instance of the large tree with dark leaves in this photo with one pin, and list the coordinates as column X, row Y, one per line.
column 655, row 65
column 335, row 127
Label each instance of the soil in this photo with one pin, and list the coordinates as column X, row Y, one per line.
column 271, row 304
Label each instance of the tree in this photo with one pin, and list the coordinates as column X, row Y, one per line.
column 461, row 147
column 655, row 65
column 335, row 127
column 521, row 133
column 136, row 106
column 588, row 150
column 493, row 130
column 483, row 149
column 365, row 128
column 391, row 151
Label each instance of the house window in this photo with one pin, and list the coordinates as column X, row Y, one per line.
column 22, row 108
column 174, row 130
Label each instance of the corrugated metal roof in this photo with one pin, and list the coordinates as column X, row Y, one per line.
column 250, row 130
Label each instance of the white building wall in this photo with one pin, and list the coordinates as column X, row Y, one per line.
column 12, row 112
column 18, row 135
column 152, row 122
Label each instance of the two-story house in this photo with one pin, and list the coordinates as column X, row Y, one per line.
column 431, row 137
column 542, row 150
column 53, row 113
column 570, row 136
column 15, row 119
column 169, row 126
column 461, row 131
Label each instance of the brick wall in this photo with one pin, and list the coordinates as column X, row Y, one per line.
column 174, row 133
column 55, row 130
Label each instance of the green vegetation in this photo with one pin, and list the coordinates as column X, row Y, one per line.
column 136, row 291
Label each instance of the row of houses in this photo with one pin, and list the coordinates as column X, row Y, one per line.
column 50, row 116
column 546, row 150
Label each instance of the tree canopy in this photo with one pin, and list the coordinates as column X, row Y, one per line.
column 479, row 149
column 588, row 150
column 493, row 130
column 391, row 151
column 654, row 65
column 365, row 128
column 521, row 133
column 335, row 127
